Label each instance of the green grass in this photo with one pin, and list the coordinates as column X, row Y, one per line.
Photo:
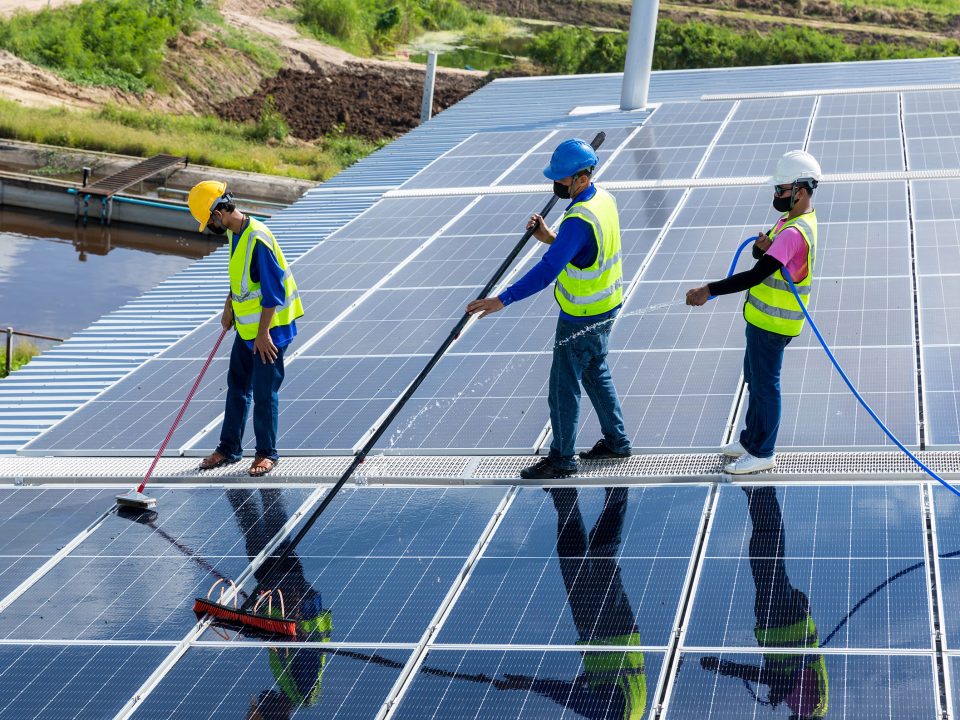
column 204, row 140
column 120, row 43
column 371, row 27
column 695, row 44
column 937, row 7
column 23, row 352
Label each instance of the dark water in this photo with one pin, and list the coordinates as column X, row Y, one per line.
column 56, row 279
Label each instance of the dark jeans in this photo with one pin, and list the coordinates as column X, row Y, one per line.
column 762, row 362
column 580, row 355
column 249, row 379
column 588, row 563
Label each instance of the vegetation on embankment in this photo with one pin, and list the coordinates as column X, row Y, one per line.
column 256, row 147
column 23, row 352
column 374, row 27
column 695, row 44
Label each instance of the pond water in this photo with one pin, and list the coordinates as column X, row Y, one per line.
column 57, row 279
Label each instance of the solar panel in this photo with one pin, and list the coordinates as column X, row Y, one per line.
column 460, row 171
column 405, row 217
column 780, row 130
column 929, row 125
column 654, row 164
column 856, row 127
column 673, row 136
column 382, row 561
column 237, row 682
column 498, row 143
column 679, row 113
column 931, row 101
column 825, row 415
column 584, row 565
column 779, row 553
column 934, row 200
column 933, row 153
column 83, row 682
column 522, row 684
column 135, row 577
column 744, row 160
column 860, row 104
column 849, row 156
column 478, row 402
column 766, row 109
column 888, row 686
column 941, row 406
column 671, row 400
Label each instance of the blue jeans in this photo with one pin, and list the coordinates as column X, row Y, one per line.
column 580, row 355
column 762, row 362
column 249, row 378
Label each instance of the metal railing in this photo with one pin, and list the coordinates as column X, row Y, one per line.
column 8, row 360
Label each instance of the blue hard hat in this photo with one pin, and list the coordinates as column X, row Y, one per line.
column 571, row 156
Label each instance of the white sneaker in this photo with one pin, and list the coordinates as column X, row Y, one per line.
column 734, row 449
column 747, row 463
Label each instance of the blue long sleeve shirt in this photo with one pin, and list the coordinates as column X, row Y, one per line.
column 265, row 269
column 575, row 243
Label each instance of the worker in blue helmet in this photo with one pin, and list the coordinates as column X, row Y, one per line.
column 583, row 263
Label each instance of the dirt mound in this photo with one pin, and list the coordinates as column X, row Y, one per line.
column 369, row 101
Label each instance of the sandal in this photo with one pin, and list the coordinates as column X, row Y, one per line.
column 261, row 466
column 215, row 460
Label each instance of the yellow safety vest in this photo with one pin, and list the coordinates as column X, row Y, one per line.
column 802, row 634
column 281, row 661
column 599, row 288
column 245, row 294
column 626, row 670
column 771, row 305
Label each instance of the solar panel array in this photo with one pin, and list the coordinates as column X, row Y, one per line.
column 676, row 600
column 381, row 294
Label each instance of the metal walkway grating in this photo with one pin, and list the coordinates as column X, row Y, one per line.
column 120, row 181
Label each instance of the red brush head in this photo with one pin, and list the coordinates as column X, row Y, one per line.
column 235, row 616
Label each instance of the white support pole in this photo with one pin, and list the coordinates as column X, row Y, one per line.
column 426, row 106
column 636, row 70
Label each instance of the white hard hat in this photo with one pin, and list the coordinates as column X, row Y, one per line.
column 796, row 165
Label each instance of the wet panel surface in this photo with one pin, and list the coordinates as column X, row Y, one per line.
column 82, row 683
column 842, row 686
column 266, row 683
column 514, row 684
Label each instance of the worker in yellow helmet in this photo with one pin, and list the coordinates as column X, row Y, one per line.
column 263, row 305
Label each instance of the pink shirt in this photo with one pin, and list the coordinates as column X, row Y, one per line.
column 790, row 249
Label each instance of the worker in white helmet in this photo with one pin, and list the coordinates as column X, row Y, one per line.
column 771, row 310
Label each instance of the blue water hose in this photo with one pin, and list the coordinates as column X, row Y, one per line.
column 856, row 394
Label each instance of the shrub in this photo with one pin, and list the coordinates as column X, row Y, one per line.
column 109, row 42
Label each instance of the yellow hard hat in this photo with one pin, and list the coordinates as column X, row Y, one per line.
column 203, row 196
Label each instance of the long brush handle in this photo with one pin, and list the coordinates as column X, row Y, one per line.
column 183, row 409
column 408, row 393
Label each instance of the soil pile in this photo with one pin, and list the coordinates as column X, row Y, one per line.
column 370, row 101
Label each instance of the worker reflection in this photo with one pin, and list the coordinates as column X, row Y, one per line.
column 783, row 621
column 613, row 684
column 298, row 672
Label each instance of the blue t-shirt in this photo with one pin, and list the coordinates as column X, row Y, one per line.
column 265, row 269
column 575, row 243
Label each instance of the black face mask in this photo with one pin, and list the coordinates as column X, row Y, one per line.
column 783, row 204
column 215, row 227
column 561, row 191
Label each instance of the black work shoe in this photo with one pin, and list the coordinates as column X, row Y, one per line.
column 600, row 451
column 544, row 469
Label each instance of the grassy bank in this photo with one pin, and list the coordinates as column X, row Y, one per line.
column 253, row 147
column 23, row 353
column 698, row 44
column 373, row 27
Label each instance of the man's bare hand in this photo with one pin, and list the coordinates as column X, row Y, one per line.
column 263, row 345
column 486, row 306
column 763, row 242
column 226, row 319
column 540, row 230
column 698, row 296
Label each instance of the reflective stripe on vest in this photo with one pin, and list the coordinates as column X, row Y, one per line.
column 281, row 666
column 596, row 289
column 771, row 305
column 802, row 634
column 245, row 294
column 624, row 669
